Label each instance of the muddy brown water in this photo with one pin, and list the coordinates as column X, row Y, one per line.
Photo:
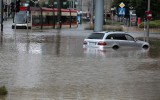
column 55, row 67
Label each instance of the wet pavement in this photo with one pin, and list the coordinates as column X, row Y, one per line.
column 52, row 65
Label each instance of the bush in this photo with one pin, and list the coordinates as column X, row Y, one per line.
column 105, row 27
column 112, row 28
column 3, row 90
column 109, row 22
column 89, row 27
column 152, row 24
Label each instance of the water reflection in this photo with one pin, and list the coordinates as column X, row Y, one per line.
column 58, row 43
column 122, row 52
column 1, row 37
column 59, row 46
column 33, row 48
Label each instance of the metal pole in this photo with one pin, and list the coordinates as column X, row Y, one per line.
column 27, row 20
column 91, row 11
column 112, row 16
column 73, row 3
column 81, row 11
column 59, row 14
column 148, row 22
column 15, row 14
column 41, row 17
column 53, row 15
column 1, row 15
column 144, row 29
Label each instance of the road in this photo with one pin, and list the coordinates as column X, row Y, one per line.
column 52, row 65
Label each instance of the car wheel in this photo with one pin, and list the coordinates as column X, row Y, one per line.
column 145, row 46
column 115, row 47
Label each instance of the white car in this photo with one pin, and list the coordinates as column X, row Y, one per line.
column 115, row 40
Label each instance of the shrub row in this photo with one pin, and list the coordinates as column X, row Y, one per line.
column 152, row 24
column 105, row 27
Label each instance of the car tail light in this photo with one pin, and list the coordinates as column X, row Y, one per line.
column 85, row 43
column 102, row 43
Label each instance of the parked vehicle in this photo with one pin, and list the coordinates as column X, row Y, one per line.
column 42, row 17
column 115, row 40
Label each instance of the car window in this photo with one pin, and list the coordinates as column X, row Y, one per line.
column 128, row 37
column 20, row 17
column 116, row 37
column 96, row 36
column 110, row 36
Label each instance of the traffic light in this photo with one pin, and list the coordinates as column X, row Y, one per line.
column 17, row 5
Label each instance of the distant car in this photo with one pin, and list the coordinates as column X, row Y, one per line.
column 115, row 40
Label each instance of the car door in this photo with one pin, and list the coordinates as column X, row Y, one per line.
column 124, row 40
column 120, row 39
column 116, row 39
column 130, row 41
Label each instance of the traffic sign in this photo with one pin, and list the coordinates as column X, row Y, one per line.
column 149, row 15
column 121, row 4
column 121, row 11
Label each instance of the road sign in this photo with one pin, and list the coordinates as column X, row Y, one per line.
column 149, row 15
column 121, row 11
column 121, row 4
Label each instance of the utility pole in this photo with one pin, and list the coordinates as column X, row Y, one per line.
column 1, row 8
column 148, row 21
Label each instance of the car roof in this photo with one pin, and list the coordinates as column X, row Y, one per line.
column 111, row 32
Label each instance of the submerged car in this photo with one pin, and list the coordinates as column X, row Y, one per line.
column 115, row 40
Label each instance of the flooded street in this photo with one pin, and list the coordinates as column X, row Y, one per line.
column 52, row 65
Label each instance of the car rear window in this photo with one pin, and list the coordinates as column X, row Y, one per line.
column 96, row 36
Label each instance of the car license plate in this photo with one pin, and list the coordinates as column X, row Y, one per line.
column 92, row 43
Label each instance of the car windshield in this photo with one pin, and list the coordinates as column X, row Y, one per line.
column 20, row 17
column 96, row 36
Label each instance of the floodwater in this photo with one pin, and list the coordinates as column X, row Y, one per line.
column 41, row 66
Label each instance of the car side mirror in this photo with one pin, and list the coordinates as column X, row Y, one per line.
column 135, row 40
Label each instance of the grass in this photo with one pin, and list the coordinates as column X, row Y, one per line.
column 3, row 90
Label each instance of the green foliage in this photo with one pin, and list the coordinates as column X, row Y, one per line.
column 3, row 90
column 152, row 24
